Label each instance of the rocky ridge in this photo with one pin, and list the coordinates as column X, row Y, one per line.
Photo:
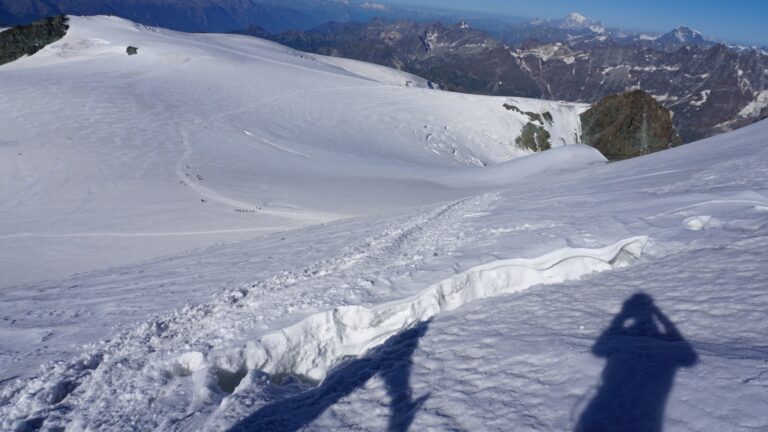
column 26, row 40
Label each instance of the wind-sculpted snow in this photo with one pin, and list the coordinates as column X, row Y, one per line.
column 524, row 362
column 310, row 347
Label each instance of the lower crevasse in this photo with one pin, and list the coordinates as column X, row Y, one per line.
column 311, row 347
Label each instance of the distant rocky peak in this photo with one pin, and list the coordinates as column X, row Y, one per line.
column 432, row 31
column 686, row 34
column 682, row 36
column 430, row 36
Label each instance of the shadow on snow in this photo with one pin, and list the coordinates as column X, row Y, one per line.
column 643, row 350
column 392, row 361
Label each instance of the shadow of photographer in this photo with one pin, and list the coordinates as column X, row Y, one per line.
column 643, row 351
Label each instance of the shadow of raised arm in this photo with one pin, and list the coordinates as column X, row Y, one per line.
column 643, row 351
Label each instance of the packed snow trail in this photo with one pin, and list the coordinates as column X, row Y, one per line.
column 303, row 216
column 151, row 346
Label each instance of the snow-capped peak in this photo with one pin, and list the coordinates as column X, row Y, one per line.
column 684, row 34
column 576, row 18
column 374, row 6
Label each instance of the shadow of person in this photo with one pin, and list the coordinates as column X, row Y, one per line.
column 643, row 350
column 392, row 361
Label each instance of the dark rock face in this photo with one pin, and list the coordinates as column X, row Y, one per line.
column 132, row 50
column 707, row 89
column 534, row 137
column 627, row 125
column 457, row 57
column 29, row 39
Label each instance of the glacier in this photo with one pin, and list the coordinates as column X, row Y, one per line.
column 221, row 233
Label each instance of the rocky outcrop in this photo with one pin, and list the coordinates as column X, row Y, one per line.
column 533, row 137
column 29, row 39
column 710, row 90
column 627, row 125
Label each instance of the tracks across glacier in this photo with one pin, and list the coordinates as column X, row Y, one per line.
column 279, row 324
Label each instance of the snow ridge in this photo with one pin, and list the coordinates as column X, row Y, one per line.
column 311, row 347
column 306, row 349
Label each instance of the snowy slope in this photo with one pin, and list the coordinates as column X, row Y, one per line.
column 485, row 311
column 374, row 72
column 519, row 361
column 107, row 159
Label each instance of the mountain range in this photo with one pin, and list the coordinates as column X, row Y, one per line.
column 710, row 87
column 579, row 31
column 205, row 15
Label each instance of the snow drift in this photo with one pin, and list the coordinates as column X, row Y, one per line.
column 309, row 348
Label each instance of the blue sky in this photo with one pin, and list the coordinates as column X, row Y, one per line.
column 743, row 21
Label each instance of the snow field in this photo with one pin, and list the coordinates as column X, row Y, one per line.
column 204, row 139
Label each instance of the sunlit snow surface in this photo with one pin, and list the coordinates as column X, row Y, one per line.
column 472, row 300
column 108, row 159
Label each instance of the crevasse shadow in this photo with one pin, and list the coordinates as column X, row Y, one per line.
column 392, row 361
column 643, row 350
